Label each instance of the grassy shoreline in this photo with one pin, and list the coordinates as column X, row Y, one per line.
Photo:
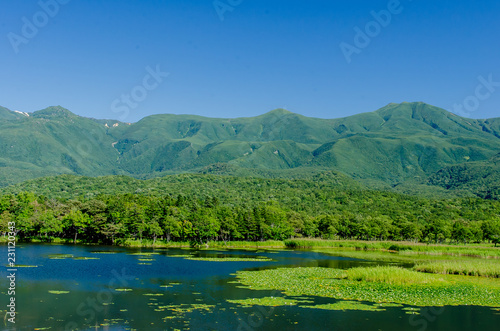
column 398, row 246
column 479, row 260
column 473, row 250
column 481, row 268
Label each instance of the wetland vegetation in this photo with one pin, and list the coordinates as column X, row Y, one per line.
column 377, row 284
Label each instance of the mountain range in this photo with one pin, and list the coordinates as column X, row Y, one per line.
column 408, row 147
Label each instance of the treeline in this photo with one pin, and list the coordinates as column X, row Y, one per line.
column 362, row 215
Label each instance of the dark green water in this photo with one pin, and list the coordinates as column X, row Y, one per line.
column 196, row 300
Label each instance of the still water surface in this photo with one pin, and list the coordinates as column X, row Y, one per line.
column 162, row 291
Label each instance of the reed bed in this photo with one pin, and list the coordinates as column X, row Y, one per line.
column 482, row 268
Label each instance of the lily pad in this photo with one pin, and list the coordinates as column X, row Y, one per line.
column 58, row 292
column 60, row 256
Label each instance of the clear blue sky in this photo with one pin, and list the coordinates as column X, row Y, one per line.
column 264, row 54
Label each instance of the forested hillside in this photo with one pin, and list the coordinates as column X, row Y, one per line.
column 481, row 178
column 199, row 208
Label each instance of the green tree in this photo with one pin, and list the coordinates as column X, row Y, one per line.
column 205, row 225
column 327, row 226
column 491, row 229
column 48, row 224
column 155, row 229
column 172, row 227
column 436, row 230
column 228, row 226
column 135, row 219
column 5, row 218
column 76, row 222
column 411, row 231
column 461, row 232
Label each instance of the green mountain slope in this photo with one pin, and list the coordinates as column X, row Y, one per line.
column 407, row 140
column 398, row 143
column 54, row 141
column 6, row 114
column 480, row 178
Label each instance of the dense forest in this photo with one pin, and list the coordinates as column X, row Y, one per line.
column 201, row 208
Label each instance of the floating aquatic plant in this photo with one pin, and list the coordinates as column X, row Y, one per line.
column 267, row 301
column 231, row 259
column 58, row 292
column 346, row 305
column 60, row 256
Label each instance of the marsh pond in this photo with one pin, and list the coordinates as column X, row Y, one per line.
column 73, row 287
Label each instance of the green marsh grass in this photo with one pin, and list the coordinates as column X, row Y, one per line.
column 378, row 285
column 247, row 244
column 392, row 275
column 155, row 244
column 231, row 259
column 403, row 248
column 483, row 268
column 408, row 248
column 209, row 245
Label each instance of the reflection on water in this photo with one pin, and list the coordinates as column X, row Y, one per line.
column 110, row 288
